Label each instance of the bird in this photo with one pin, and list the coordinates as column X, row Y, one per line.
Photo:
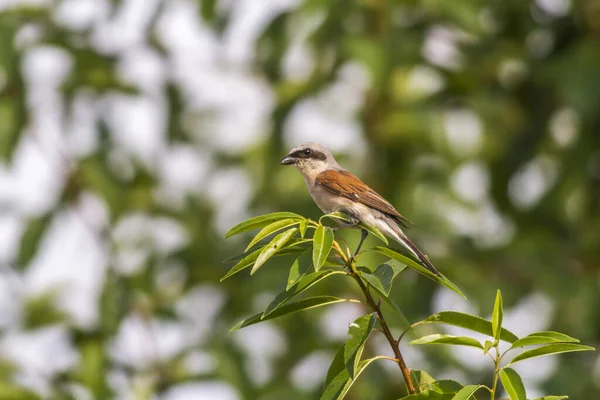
column 333, row 188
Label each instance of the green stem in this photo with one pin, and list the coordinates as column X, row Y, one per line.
column 496, row 372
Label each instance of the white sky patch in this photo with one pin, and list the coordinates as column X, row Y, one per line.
column 564, row 127
column 202, row 390
column 309, row 372
column 556, row 8
column 79, row 15
column 69, row 259
column 230, row 191
column 11, row 228
column 531, row 182
column 330, row 117
column 39, row 355
column 464, row 132
column 471, row 181
column 336, row 319
column 261, row 343
column 145, row 68
column 424, row 80
column 441, row 48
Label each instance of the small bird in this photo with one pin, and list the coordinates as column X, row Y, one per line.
column 335, row 189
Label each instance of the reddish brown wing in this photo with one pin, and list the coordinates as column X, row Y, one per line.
column 343, row 183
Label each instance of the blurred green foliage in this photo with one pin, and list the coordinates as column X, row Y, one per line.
column 524, row 78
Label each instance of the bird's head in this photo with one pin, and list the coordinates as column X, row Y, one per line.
column 310, row 159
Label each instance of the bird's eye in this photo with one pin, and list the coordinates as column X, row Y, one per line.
column 307, row 152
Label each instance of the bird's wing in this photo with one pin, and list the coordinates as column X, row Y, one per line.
column 345, row 184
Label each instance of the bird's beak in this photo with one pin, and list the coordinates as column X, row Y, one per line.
column 288, row 160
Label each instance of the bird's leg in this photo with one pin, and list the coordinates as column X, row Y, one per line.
column 363, row 236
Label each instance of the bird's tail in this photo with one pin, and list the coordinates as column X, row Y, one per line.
column 403, row 240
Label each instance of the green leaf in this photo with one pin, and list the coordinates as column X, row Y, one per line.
column 382, row 277
column 550, row 349
column 467, row 392
column 299, row 268
column 543, row 338
column 30, row 241
column 304, row 284
column 487, row 346
column 322, row 242
column 447, row 339
column 373, row 230
column 421, row 378
column 249, row 259
column 552, row 398
column 513, row 384
column 339, row 386
column 418, row 267
column 359, row 332
column 303, row 226
column 470, row 322
column 304, row 304
column 261, row 221
column 497, row 316
column 270, row 229
column 269, row 250
column 391, row 304
column 337, row 365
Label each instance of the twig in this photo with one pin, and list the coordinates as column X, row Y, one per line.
column 385, row 329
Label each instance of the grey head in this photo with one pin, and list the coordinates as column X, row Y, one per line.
column 311, row 158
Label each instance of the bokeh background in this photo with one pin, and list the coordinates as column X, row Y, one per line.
column 134, row 133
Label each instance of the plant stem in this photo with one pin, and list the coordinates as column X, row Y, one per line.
column 496, row 371
column 386, row 332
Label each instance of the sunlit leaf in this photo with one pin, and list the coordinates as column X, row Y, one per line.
column 260, row 222
column 322, row 242
column 467, row 392
column 447, row 339
column 470, row 322
column 305, row 283
column 299, row 268
column 513, row 384
column 382, row 277
column 418, row 267
column 487, row 346
column 497, row 316
column 339, row 386
column 359, row 332
column 550, row 349
column 273, row 247
column 545, row 337
column 270, row 229
column 304, row 304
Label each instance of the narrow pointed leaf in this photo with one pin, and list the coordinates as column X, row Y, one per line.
column 382, row 277
column 299, row 268
column 391, row 304
column 303, row 226
column 467, row 392
column 337, row 365
column 294, row 246
column 322, row 242
column 447, row 339
column 545, row 337
column 487, row 346
column 273, row 247
column 304, row 304
column 339, row 386
column 270, row 229
column 304, row 284
column 359, row 332
column 550, row 349
column 471, row 322
column 513, row 384
column 261, row 221
column 497, row 316
column 418, row 267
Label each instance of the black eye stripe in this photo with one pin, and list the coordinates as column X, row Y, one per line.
column 314, row 155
